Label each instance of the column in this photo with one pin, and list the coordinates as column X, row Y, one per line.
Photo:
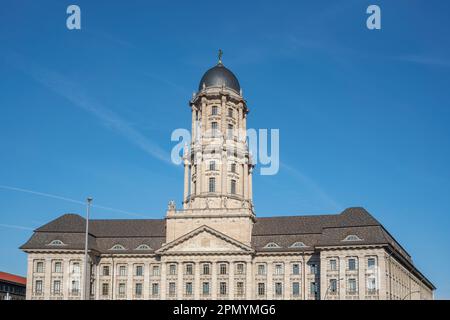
column 199, row 163
column 224, row 190
column 47, row 284
column 245, row 179
column 231, row 280
column 130, row 284
column 180, row 288
column 197, row 280
column 146, row 285
column 240, row 121
column 214, row 284
column 249, row 284
column 194, row 122
column 224, row 116
column 30, row 278
column 204, row 116
column 163, row 284
column 250, row 187
column 186, row 182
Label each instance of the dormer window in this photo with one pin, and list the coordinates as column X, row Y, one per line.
column 352, row 237
column 298, row 244
column 117, row 247
column 272, row 245
column 143, row 247
column 56, row 243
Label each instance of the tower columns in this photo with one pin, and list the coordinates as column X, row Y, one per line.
column 224, row 173
column 186, row 182
column 245, row 179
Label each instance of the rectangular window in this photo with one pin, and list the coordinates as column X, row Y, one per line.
column 261, row 289
column 206, row 270
column 214, row 110
column 172, row 288
column 214, row 129
column 105, row 289
column 278, row 288
column 371, row 284
column 233, row 167
column 261, row 269
column 371, row 263
column 230, row 131
column 222, row 288
column 313, row 268
column 138, row 289
column 295, row 289
column 58, row 267
column 189, row 288
column 205, row 288
column 230, row 112
column 351, row 264
column 279, row 269
column 38, row 287
column 295, row 269
column 240, row 288
column 333, row 265
column 189, row 269
column 105, row 270
column 121, row 289
column 155, row 289
column 352, row 286
column 212, row 165
column 172, row 269
column 75, row 287
column 313, row 288
column 333, row 285
column 223, row 269
column 76, row 268
column 233, row 186
column 240, row 268
column 40, row 267
column 122, row 271
column 155, row 271
column 56, row 287
column 212, row 185
column 139, row 271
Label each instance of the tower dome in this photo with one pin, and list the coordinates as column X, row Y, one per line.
column 219, row 75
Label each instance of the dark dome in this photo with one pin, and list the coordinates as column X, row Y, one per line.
column 218, row 76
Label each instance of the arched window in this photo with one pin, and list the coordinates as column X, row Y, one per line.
column 212, row 165
column 56, row 243
column 272, row 245
column 117, row 247
column 143, row 247
column 214, row 110
column 233, row 186
column 212, row 184
column 352, row 237
column 298, row 244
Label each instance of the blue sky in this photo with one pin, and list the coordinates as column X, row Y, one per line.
column 363, row 115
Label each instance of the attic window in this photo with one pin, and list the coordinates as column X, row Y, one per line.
column 298, row 244
column 352, row 237
column 272, row 245
column 143, row 247
column 56, row 243
column 117, row 247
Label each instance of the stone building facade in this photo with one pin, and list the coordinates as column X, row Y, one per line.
column 215, row 247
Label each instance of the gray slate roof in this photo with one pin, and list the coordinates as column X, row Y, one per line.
column 314, row 231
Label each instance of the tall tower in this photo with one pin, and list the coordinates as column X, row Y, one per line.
column 218, row 166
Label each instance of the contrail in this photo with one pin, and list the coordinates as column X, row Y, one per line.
column 53, row 196
column 13, row 226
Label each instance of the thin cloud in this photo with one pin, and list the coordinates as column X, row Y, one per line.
column 72, row 92
column 426, row 60
column 13, row 226
column 53, row 196
column 312, row 185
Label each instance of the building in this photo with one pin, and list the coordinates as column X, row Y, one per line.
column 12, row 287
column 215, row 247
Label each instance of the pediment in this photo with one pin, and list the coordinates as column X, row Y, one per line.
column 204, row 240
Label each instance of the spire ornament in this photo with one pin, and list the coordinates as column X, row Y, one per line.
column 220, row 56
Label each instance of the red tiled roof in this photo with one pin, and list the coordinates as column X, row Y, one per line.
column 13, row 278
